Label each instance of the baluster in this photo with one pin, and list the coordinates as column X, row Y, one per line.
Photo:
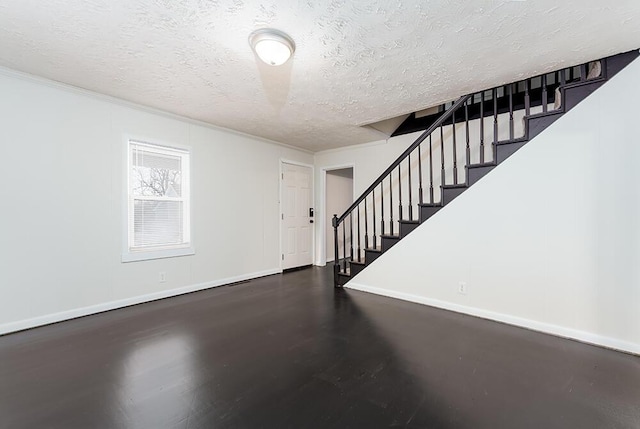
column 382, row 207
column 410, row 192
column 527, row 99
column 583, row 72
column 366, row 225
column 351, row 234
column 495, row 117
column 430, row 170
column 510, row 86
column 391, row 201
column 399, row 195
column 336, row 261
column 482, row 128
column 560, row 80
column 441, row 157
column 455, row 150
column 344, row 248
column 466, row 129
column 359, row 248
column 420, row 174
column 544, row 93
column 375, row 236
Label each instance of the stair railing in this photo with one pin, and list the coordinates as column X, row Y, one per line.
column 456, row 140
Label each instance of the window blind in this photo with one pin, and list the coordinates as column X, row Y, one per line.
column 158, row 197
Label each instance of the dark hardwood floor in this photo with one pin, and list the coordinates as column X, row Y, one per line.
column 287, row 351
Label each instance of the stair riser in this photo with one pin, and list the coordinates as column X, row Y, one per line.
column 449, row 195
column 573, row 96
column 388, row 243
column 475, row 174
column 356, row 268
column 537, row 125
column 427, row 212
column 504, row 151
column 406, row 228
column 618, row 62
column 339, row 279
column 342, row 279
column 369, row 256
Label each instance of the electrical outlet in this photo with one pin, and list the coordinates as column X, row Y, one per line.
column 462, row 288
column 162, row 277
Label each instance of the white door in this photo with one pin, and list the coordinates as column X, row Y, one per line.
column 297, row 224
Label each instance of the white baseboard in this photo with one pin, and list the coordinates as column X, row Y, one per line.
column 112, row 305
column 547, row 328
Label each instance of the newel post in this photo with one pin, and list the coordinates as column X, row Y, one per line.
column 336, row 261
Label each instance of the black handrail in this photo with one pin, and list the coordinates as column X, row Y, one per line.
column 404, row 154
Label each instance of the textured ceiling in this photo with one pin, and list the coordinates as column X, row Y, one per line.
column 357, row 61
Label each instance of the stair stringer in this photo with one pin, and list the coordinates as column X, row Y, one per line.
column 546, row 241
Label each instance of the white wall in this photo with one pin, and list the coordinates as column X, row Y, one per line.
column 62, row 200
column 339, row 196
column 549, row 240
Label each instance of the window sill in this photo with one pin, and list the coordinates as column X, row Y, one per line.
column 145, row 255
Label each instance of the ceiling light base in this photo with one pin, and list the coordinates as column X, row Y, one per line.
column 272, row 46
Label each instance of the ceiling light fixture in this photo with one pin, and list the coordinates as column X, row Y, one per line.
column 272, row 46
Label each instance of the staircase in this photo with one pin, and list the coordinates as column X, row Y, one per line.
column 460, row 146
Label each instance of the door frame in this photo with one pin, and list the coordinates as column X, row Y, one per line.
column 280, row 212
column 322, row 259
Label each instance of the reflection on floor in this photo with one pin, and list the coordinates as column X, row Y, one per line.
column 289, row 351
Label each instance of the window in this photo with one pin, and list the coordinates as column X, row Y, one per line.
column 158, row 212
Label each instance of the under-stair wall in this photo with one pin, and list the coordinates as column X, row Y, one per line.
column 550, row 240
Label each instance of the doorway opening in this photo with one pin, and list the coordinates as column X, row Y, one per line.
column 339, row 193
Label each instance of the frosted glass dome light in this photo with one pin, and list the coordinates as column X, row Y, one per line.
column 272, row 46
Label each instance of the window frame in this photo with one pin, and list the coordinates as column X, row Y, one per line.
column 132, row 254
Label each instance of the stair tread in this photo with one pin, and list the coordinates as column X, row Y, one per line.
column 482, row 165
column 513, row 141
column 584, row 82
column 392, row 236
column 374, row 249
column 408, row 221
column 458, row 186
column 544, row 114
column 430, row 205
column 354, row 262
